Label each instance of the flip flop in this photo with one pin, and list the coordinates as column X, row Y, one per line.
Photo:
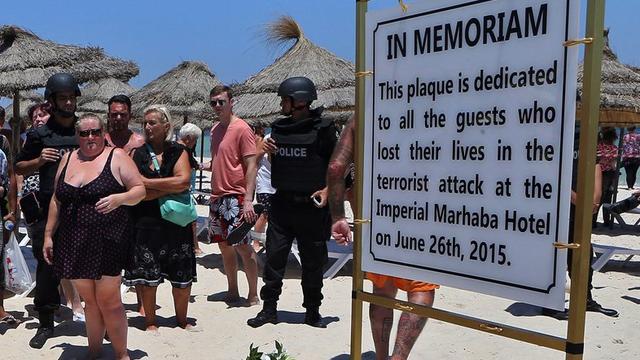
column 238, row 234
column 9, row 320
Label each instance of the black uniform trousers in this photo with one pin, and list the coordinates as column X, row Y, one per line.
column 608, row 188
column 570, row 257
column 296, row 217
column 47, row 297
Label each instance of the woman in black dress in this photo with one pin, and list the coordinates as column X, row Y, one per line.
column 163, row 250
column 88, row 232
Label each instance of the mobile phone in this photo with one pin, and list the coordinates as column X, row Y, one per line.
column 317, row 200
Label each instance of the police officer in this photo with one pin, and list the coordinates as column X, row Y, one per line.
column 42, row 151
column 300, row 146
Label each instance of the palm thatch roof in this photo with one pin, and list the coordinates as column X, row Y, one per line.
column 184, row 90
column 27, row 61
column 619, row 92
column 96, row 94
column 257, row 100
column 27, row 99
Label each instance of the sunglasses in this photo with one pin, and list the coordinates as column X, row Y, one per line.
column 117, row 115
column 86, row 133
column 218, row 102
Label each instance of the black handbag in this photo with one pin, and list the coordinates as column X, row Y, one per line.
column 31, row 208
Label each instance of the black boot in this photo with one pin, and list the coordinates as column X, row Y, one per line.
column 42, row 335
column 313, row 318
column 593, row 306
column 268, row 314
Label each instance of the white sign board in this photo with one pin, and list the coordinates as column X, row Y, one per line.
column 468, row 145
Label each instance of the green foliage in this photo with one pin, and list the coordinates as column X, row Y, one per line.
column 279, row 354
column 254, row 354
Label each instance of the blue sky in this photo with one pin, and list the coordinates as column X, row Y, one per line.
column 158, row 35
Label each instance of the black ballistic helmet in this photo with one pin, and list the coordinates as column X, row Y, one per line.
column 298, row 88
column 61, row 82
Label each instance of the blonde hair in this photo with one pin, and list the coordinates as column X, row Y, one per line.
column 89, row 116
column 165, row 117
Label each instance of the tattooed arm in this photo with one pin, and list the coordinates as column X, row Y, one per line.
column 340, row 159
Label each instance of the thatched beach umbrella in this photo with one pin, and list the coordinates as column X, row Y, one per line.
column 619, row 92
column 96, row 94
column 184, row 90
column 27, row 61
column 258, row 102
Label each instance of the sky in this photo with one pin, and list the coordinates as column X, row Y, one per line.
column 227, row 35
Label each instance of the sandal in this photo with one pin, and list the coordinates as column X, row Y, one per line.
column 9, row 320
column 238, row 234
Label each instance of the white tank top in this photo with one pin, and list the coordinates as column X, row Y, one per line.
column 263, row 179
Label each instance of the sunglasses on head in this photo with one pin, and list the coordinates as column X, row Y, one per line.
column 86, row 133
column 218, row 102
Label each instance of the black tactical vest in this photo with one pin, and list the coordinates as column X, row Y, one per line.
column 61, row 139
column 297, row 165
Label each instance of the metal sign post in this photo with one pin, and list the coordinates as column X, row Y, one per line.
column 572, row 345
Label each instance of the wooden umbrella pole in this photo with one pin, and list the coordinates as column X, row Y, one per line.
column 201, row 158
column 15, row 126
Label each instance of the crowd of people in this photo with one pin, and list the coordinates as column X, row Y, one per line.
column 94, row 198
column 105, row 206
column 607, row 155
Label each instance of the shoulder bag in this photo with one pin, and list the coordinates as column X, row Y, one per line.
column 180, row 208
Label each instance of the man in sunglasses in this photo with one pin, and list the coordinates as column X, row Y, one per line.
column 118, row 116
column 42, row 151
column 233, row 181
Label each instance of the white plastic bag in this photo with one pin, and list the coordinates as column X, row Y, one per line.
column 17, row 277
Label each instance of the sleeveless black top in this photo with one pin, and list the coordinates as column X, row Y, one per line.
column 87, row 244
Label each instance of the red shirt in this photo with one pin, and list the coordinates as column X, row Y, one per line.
column 607, row 155
column 229, row 145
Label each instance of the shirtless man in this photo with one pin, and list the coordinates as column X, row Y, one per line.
column 118, row 135
column 410, row 325
column 118, row 116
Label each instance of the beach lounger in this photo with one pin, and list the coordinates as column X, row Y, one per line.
column 341, row 253
column 607, row 251
column 202, row 197
column 621, row 220
column 202, row 224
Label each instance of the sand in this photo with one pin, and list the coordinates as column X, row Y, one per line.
column 225, row 335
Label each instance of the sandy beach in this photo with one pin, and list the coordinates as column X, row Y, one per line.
column 224, row 335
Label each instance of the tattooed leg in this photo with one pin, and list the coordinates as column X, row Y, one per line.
column 411, row 325
column 381, row 321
